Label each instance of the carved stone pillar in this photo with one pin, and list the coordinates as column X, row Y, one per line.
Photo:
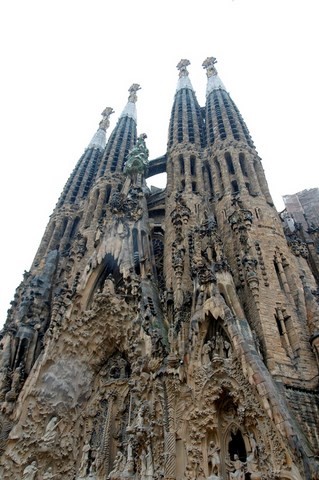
column 170, row 435
column 103, row 456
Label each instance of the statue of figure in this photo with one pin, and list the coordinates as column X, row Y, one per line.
column 227, row 349
column 147, row 471
column 206, row 351
column 143, row 465
column 252, row 467
column 85, row 459
column 238, row 466
column 50, row 432
column 214, row 458
column 48, row 474
column 137, row 159
column 218, row 345
column 117, row 466
column 140, row 420
column 253, row 443
column 5, row 378
column 30, row 471
column 109, row 285
column 16, row 383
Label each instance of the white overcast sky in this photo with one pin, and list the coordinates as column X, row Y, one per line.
column 64, row 61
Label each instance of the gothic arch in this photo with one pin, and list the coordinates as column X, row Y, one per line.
column 96, row 281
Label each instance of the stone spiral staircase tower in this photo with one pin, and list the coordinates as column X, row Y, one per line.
column 164, row 334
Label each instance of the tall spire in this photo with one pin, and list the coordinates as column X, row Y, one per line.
column 186, row 119
column 123, row 136
column 223, row 119
column 99, row 138
column 213, row 80
column 130, row 108
column 83, row 175
column 183, row 81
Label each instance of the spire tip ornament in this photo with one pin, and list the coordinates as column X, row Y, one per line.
column 182, row 67
column 132, row 90
column 209, row 65
column 105, row 122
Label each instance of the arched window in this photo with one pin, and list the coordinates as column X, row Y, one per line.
column 181, row 164
column 234, row 186
column 107, row 193
column 136, row 251
column 74, row 227
column 210, row 179
column 237, row 447
column 242, row 163
column 193, row 165
column 229, row 163
column 219, row 176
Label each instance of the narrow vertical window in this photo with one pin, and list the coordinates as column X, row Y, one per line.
column 242, row 163
column 181, row 165
column 229, row 163
column 219, row 176
column 193, row 165
column 234, row 185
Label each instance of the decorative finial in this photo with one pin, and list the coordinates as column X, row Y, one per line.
column 181, row 66
column 105, row 122
column 133, row 89
column 137, row 159
column 208, row 64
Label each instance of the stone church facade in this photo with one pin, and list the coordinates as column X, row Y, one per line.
column 165, row 334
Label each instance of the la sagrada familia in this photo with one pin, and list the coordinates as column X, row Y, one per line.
column 166, row 333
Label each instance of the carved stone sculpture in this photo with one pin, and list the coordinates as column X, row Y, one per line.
column 30, row 472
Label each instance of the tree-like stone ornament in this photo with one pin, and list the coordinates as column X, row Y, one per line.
column 105, row 122
column 182, row 67
column 209, row 65
column 137, row 160
column 133, row 89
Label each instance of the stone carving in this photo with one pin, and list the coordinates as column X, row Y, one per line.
column 147, row 470
column 237, row 467
column 105, row 122
column 132, row 90
column 30, row 472
column 250, row 264
column 118, row 467
column 298, row 247
column 48, row 475
column 209, row 65
column 80, row 246
column 214, row 458
column 262, row 264
column 182, row 67
column 252, row 466
column 50, row 434
column 84, row 459
column 137, row 160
